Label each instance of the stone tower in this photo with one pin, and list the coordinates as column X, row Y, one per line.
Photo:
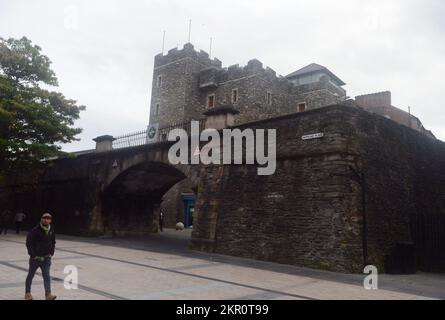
column 175, row 94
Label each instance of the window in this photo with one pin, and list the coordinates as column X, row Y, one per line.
column 302, row 107
column 269, row 98
column 157, row 109
column 211, row 101
column 159, row 81
column 234, row 95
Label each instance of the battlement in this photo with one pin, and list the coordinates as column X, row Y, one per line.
column 254, row 66
column 210, row 77
column 188, row 51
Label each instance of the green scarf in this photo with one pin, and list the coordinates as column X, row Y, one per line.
column 45, row 228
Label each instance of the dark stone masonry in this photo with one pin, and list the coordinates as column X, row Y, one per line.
column 335, row 203
column 183, row 80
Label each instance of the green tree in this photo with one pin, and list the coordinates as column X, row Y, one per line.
column 33, row 119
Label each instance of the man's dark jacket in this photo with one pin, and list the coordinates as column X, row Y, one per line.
column 39, row 244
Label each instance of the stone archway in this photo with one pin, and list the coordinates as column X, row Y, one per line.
column 130, row 203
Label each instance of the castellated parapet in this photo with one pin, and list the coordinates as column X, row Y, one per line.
column 188, row 51
column 234, row 72
column 187, row 82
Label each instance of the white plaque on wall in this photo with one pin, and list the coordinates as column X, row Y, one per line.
column 313, row 136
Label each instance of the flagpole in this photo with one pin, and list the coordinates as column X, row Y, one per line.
column 190, row 29
column 163, row 42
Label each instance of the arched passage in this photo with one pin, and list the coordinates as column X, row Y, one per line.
column 130, row 203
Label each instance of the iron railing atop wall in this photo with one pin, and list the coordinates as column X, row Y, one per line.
column 140, row 138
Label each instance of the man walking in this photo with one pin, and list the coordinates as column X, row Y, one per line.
column 41, row 243
column 4, row 217
column 19, row 217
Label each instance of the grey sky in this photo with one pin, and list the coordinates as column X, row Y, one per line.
column 103, row 51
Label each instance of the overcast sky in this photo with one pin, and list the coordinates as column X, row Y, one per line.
column 103, row 50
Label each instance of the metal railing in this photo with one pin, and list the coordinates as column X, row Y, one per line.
column 140, row 138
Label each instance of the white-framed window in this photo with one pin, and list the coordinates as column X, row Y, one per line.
column 269, row 98
column 235, row 95
column 159, row 81
column 302, row 106
column 211, row 100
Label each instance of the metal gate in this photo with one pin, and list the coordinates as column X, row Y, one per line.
column 428, row 231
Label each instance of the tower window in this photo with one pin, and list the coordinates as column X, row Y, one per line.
column 302, row 107
column 269, row 98
column 234, row 95
column 157, row 109
column 211, row 101
column 159, row 81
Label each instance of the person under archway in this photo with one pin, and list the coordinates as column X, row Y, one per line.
column 161, row 219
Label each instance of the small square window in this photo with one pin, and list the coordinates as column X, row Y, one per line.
column 211, row 101
column 159, row 81
column 234, row 95
column 302, row 107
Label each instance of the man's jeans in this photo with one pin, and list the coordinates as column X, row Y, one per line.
column 44, row 265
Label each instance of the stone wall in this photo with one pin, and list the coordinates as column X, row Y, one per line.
column 334, row 203
column 116, row 191
column 404, row 174
column 307, row 213
column 61, row 189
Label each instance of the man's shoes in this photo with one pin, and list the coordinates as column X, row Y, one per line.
column 49, row 296
column 28, row 296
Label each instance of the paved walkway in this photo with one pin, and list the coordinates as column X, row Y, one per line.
column 161, row 267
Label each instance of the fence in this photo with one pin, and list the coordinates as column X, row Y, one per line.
column 140, row 138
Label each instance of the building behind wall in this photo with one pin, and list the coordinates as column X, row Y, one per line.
column 187, row 83
column 380, row 103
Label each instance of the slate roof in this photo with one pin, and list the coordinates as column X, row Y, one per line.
column 314, row 68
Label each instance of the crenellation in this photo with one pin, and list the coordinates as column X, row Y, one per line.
column 254, row 65
column 216, row 63
column 203, row 54
column 188, row 51
column 271, row 72
column 190, row 77
column 192, row 83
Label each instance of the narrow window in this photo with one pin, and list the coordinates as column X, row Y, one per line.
column 157, row 109
column 211, row 101
column 302, row 107
column 269, row 98
column 234, row 95
column 159, row 81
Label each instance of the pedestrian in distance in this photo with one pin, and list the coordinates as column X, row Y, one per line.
column 161, row 219
column 4, row 219
column 19, row 217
